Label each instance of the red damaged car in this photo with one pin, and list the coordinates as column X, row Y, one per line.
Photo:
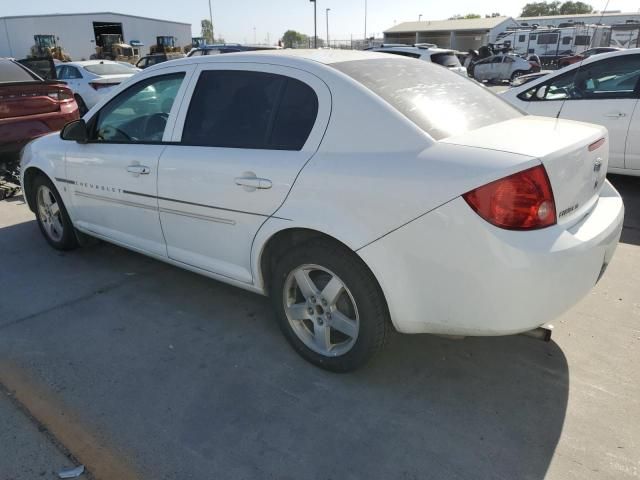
column 29, row 107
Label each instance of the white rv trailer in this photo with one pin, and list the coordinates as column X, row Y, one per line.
column 566, row 40
column 625, row 35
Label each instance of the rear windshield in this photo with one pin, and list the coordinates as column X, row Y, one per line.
column 12, row 72
column 440, row 102
column 447, row 59
column 107, row 69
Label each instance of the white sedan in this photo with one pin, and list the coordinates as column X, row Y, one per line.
column 361, row 191
column 500, row 68
column 427, row 53
column 603, row 89
column 92, row 80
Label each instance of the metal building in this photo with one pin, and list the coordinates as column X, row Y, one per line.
column 79, row 33
column 463, row 34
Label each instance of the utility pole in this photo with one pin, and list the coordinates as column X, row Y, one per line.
column 213, row 36
column 327, row 14
column 315, row 25
column 365, row 23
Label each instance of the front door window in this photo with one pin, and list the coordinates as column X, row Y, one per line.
column 140, row 113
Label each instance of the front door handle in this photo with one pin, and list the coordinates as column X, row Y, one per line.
column 251, row 183
column 138, row 169
column 615, row 115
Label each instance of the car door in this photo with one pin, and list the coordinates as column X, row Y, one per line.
column 505, row 69
column 482, row 69
column 603, row 92
column 114, row 174
column 239, row 144
column 73, row 77
column 632, row 152
column 62, row 72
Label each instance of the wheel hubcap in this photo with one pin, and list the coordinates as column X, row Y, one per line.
column 49, row 213
column 321, row 310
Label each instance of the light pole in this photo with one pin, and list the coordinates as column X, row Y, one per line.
column 213, row 37
column 420, row 17
column 315, row 25
column 327, row 14
column 365, row 23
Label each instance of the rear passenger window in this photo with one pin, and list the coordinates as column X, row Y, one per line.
column 257, row 110
column 295, row 117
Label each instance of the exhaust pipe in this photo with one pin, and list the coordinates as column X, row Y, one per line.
column 540, row 333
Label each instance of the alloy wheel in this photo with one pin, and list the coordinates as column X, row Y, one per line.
column 50, row 214
column 321, row 310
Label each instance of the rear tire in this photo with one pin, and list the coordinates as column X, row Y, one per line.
column 52, row 216
column 329, row 306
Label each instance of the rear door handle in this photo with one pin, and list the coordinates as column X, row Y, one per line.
column 138, row 169
column 253, row 183
column 615, row 115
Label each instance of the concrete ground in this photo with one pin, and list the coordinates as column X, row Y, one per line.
column 27, row 451
column 141, row 370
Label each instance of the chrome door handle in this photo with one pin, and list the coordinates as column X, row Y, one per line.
column 138, row 169
column 253, row 183
column 615, row 115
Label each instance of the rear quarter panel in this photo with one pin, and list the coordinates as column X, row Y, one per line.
column 375, row 171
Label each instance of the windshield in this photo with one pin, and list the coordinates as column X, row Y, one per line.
column 107, row 69
column 440, row 102
column 446, row 59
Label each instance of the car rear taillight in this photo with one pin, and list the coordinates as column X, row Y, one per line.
column 522, row 201
column 60, row 94
column 98, row 86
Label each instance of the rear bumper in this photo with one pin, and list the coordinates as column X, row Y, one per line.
column 450, row 272
column 18, row 131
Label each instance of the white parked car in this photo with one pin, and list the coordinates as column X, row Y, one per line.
column 500, row 68
column 604, row 89
column 346, row 186
column 93, row 80
column 427, row 53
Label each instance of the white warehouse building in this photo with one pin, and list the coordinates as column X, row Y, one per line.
column 79, row 33
column 459, row 34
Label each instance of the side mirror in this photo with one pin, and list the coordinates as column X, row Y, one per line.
column 541, row 93
column 76, row 131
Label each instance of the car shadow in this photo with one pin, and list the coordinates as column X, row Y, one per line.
column 629, row 188
column 223, row 396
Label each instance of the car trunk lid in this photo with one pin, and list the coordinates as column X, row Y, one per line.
column 111, row 79
column 574, row 154
column 21, row 99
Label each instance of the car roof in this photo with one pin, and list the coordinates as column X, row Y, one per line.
column 597, row 58
column 411, row 49
column 587, row 61
column 285, row 57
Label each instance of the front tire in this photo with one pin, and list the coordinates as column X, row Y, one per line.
column 329, row 306
column 516, row 74
column 52, row 216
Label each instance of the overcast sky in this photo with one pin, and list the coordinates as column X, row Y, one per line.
column 236, row 19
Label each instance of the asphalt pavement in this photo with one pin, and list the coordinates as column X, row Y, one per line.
column 137, row 369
